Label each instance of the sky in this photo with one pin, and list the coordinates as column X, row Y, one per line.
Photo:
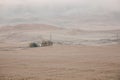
column 82, row 14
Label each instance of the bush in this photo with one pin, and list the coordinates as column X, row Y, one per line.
column 46, row 43
column 32, row 45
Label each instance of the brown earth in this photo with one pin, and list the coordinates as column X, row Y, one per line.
column 59, row 62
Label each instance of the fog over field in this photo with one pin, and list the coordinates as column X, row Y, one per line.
column 82, row 14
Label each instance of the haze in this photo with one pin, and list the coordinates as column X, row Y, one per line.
column 82, row 14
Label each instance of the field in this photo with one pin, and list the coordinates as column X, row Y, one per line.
column 60, row 62
column 75, row 55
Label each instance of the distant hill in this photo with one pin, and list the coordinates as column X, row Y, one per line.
column 30, row 27
column 38, row 32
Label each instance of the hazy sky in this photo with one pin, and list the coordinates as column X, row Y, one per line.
column 84, row 14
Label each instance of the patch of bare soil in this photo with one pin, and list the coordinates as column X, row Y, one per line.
column 60, row 62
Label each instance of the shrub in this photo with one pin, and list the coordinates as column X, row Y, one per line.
column 46, row 43
column 32, row 45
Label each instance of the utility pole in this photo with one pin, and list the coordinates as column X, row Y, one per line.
column 50, row 37
column 117, row 36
